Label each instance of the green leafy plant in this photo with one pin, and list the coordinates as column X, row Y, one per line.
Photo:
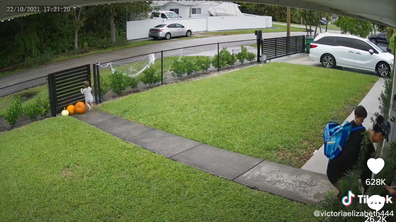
column 14, row 112
column 224, row 59
column 133, row 82
column 231, row 60
column 104, row 85
column 250, row 56
column 43, row 103
column 118, row 82
column 392, row 43
column 150, row 77
column 178, row 68
column 242, row 55
column 190, row 66
column 203, row 64
column 32, row 110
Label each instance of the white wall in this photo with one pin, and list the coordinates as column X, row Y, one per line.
column 139, row 29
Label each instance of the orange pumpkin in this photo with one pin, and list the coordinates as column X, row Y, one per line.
column 79, row 107
column 70, row 108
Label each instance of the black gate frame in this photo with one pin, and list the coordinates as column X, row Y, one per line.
column 64, row 87
column 274, row 48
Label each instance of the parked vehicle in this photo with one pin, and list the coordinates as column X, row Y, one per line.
column 165, row 15
column 379, row 38
column 323, row 21
column 169, row 31
column 350, row 51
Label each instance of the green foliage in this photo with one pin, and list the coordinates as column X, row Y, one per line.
column 278, row 13
column 150, row 76
column 203, row 64
column 191, row 67
column 14, row 111
column 232, row 60
column 251, row 56
column 178, row 68
column 225, row 59
column 385, row 97
column 389, row 32
column 104, row 85
column 242, row 55
column 392, row 43
column 133, row 82
column 118, row 82
column 354, row 26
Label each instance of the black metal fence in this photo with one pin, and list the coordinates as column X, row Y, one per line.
column 64, row 87
column 145, row 71
column 22, row 103
column 278, row 47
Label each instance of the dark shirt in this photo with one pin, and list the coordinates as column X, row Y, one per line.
column 348, row 158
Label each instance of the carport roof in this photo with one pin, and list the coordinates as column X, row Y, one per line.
column 379, row 11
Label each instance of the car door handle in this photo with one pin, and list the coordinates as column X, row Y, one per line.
column 350, row 51
column 358, row 53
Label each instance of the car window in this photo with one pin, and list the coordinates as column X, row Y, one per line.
column 179, row 26
column 172, row 15
column 362, row 45
column 163, row 16
column 375, row 47
column 172, row 26
column 342, row 41
column 159, row 26
column 325, row 41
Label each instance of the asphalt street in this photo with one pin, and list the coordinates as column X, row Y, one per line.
column 124, row 53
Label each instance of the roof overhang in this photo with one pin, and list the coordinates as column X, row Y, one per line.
column 379, row 11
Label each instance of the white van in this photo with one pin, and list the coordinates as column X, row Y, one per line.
column 165, row 15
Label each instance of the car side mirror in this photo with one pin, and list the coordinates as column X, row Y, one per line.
column 371, row 51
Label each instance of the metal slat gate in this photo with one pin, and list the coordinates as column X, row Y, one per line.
column 278, row 47
column 64, row 87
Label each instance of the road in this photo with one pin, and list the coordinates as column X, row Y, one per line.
column 124, row 53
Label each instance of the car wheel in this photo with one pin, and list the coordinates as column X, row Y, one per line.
column 374, row 41
column 168, row 36
column 328, row 61
column 383, row 69
column 188, row 34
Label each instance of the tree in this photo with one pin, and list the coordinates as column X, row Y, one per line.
column 139, row 10
column 77, row 24
column 310, row 18
column 354, row 26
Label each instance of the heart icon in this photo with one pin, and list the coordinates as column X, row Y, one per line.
column 375, row 165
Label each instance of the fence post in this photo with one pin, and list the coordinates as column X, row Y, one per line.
column 162, row 67
column 52, row 94
column 276, row 54
column 303, row 44
column 95, row 84
column 218, row 57
column 296, row 43
column 99, row 87
column 259, row 35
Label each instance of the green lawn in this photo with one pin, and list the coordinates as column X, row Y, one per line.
column 279, row 28
column 276, row 112
column 329, row 26
column 61, row 169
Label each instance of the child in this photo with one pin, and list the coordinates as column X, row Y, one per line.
column 88, row 96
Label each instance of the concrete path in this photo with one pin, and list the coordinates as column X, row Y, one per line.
column 293, row 183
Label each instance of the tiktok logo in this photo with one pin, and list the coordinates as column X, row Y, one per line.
column 347, row 200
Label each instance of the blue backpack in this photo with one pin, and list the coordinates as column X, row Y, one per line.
column 335, row 136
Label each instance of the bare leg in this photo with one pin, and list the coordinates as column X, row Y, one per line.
column 91, row 104
column 89, row 107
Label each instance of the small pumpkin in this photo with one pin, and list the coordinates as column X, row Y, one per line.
column 64, row 112
column 70, row 108
column 79, row 108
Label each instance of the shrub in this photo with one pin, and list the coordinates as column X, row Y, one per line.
column 104, row 85
column 392, row 43
column 150, row 77
column 118, row 82
column 203, row 64
column 133, row 82
column 231, row 60
column 42, row 103
column 178, row 68
column 14, row 111
column 32, row 110
column 251, row 56
column 190, row 66
column 242, row 55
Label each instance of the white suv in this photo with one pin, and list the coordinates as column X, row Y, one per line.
column 350, row 51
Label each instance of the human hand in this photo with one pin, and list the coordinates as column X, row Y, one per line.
column 391, row 191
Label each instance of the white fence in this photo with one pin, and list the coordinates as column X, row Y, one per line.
column 139, row 29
